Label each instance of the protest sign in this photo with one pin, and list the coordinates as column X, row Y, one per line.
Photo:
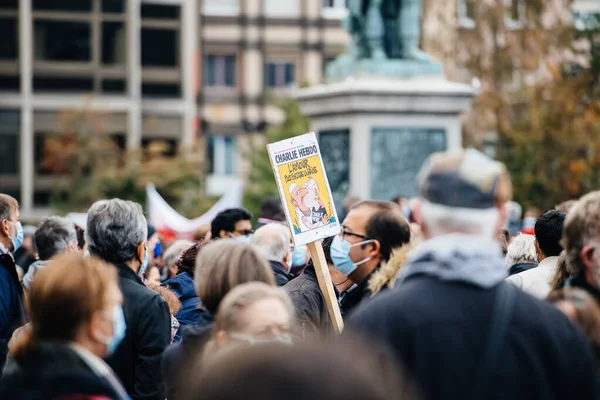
column 304, row 188
column 308, row 205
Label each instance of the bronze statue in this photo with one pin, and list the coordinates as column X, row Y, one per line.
column 385, row 29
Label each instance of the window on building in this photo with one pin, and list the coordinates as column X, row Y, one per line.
column 62, row 41
column 10, row 83
column 9, row 50
column 9, row 5
column 222, row 155
column 221, row 7
column 161, row 90
column 62, row 84
column 220, row 70
column 9, row 153
column 280, row 74
column 160, row 47
column 160, row 11
column 113, row 6
column 62, row 5
column 279, row 8
column 466, row 13
column 116, row 86
column 113, row 43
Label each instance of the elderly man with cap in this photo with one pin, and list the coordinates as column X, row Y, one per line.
column 459, row 329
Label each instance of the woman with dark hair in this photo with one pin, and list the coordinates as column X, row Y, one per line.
column 220, row 266
column 191, row 312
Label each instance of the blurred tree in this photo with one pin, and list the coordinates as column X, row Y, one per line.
column 92, row 166
column 539, row 74
column 261, row 181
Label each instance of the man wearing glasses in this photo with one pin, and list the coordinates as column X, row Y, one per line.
column 371, row 231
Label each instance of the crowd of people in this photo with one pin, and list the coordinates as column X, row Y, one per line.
column 454, row 294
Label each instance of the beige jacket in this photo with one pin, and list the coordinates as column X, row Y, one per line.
column 536, row 281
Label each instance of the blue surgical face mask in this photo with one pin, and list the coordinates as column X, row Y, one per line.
column 243, row 238
column 17, row 240
column 299, row 256
column 119, row 330
column 340, row 255
column 144, row 264
column 285, row 340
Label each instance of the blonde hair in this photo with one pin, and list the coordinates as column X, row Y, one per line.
column 581, row 229
column 243, row 296
column 63, row 296
column 225, row 264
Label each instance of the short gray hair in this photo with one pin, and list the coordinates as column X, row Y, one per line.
column 440, row 220
column 115, row 228
column 174, row 251
column 272, row 241
column 521, row 250
column 53, row 236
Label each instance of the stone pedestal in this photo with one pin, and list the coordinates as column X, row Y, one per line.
column 375, row 133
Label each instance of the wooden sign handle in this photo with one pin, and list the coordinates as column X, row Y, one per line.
column 322, row 270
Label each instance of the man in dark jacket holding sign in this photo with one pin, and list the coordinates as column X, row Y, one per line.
column 452, row 321
column 116, row 233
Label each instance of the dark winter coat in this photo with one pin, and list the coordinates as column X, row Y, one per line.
column 439, row 329
column 180, row 358
column 12, row 314
column 137, row 360
column 53, row 371
column 183, row 287
column 282, row 276
column 311, row 309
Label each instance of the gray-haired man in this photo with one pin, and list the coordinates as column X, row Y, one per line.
column 54, row 236
column 116, row 232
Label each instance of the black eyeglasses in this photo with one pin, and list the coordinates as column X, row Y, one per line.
column 348, row 233
column 245, row 232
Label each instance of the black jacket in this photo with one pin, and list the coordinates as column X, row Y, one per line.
column 356, row 295
column 180, row 358
column 439, row 331
column 51, row 371
column 12, row 314
column 521, row 267
column 281, row 275
column 309, row 303
column 137, row 360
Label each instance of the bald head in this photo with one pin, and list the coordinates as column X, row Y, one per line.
column 272, row 241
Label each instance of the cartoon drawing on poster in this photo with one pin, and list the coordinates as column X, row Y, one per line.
column 304, row 188
column 310, row 209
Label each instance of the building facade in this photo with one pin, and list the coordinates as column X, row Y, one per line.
column 181, row 71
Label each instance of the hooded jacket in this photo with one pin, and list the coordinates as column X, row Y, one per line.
column 385, row 277
column 52, row 371
column 436, row 321
column 183, row 287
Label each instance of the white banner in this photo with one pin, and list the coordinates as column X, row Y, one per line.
column 163, row 216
